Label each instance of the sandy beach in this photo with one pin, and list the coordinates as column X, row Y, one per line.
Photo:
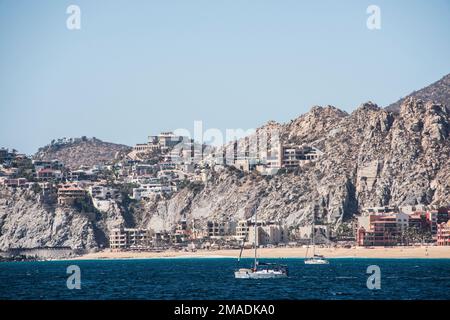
column 355, row 252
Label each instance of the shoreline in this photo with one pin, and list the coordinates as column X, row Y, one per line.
column 280, row 253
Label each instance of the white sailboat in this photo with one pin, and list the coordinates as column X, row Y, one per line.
column 316, row 258
column 260, row 270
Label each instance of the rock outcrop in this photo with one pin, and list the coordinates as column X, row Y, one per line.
column 437, row 92
column 372, row 157
column 26, row 221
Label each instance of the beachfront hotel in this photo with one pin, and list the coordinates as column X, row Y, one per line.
column 382, row 230
column 443, row 234
column 129, row 238
column 382, row 227
column 268, row 233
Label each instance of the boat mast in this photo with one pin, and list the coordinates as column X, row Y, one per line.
column 313, row 231
column 255, row 263
column 242, row 247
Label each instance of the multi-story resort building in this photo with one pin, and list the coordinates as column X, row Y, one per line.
column 383, row 230
column 7, row 156
column 432, row 218
column 163, row 141
column 49, row 174
column 443, row 234
column 146, row 190
column 215, row 229
column 296, row 156
column 186, row 152
column 44, row 164
column 381, row 227
column 167, row 140
column 145, row 147
column 268, row 233
column 129, row 238
column 277, row 157
column 303, row 234
column 218, row 229
column 68, row 193
column 103, row 192
column 242, row 229
column 3, row 154
column 14, row 183
column 182, row 228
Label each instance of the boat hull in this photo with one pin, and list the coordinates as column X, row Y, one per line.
column 316, row 261
column 259, row 275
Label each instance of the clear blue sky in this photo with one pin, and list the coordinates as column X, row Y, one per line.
column 138, row 67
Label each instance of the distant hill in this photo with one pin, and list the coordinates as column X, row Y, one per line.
column 76, row 152
column 438, row 92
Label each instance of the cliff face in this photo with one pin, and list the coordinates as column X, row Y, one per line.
column 372, row 157
column 28, row 222
column 25, row 222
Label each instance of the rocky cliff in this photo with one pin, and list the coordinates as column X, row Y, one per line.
column 28, row 221
column 372, row 157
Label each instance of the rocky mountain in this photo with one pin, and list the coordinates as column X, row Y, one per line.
column 371, row 157
column 81, row 151
column 438, row 92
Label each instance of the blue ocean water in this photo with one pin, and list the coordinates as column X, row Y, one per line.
column 212, row 278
